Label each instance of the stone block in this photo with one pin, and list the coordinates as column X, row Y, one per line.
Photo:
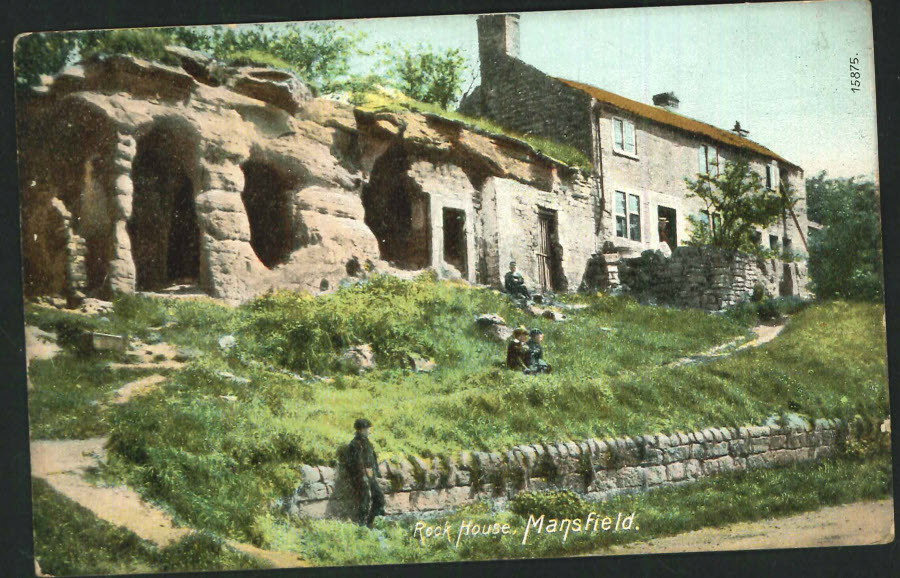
column 717, row 450
column 692, row 468
column 655, row 475
column 652, row 457
column 675, row 471
column 629, row 477
column 107, row 342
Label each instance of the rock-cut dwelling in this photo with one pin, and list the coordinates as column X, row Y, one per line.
column 139, row 176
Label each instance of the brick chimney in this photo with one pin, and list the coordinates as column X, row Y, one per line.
column 498, row 36
column 666, row 100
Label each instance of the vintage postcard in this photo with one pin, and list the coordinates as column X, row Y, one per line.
column 439, row 289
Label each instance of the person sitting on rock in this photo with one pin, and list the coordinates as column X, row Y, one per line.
column 535, row 354
column 516, row 350
column 514, row 283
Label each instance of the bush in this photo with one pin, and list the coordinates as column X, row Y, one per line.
column 554, row 504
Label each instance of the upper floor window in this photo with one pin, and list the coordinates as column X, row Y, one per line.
column 708, row 160
column 623, row 137
column 628, row 216
column 772, row 176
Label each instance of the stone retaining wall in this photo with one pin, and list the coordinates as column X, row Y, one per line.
column 597, row 469
column 708, row 278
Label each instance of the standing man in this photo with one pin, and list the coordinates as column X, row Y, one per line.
column 362, row 466
column 514, row 283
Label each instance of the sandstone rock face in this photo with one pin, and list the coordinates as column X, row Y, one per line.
column 276, row 87
column 234, row 181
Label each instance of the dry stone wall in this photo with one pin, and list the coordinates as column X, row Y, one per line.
column 703, row 277
column 596, row 469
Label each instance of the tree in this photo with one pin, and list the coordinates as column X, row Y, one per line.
column 427, row 74
column 320, row 54
column 738, row 203
column 41, row 53
column 845, row 256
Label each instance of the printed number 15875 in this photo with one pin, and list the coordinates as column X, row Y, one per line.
column 854, row 74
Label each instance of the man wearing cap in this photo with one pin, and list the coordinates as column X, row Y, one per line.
column 514, row 283
column 534, row 353
column 362, row 467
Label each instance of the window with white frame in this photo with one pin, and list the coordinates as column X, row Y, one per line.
column 623, row 136
column 772, row 176
column 708, row 160
column 628, row 216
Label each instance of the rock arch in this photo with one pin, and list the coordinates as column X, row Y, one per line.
column 164, row 230
column 398, row 212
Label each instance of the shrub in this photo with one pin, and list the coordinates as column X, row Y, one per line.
column 553, row 504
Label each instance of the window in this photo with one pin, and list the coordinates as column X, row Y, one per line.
column 773, row 242
column 623, row 136
column 708, row 160
column 710, row 224
column 628, row 216
column 787, row 250
column 772, row 176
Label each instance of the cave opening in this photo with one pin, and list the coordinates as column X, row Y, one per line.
column 398, row 212
column 267, row 199
column 164, row 231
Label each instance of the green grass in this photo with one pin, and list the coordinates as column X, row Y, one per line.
column 68, row 394
column 217, row 463
column 69, row 539
column 568, row 155
column 718, row 501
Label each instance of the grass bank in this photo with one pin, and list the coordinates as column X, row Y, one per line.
column 224, row 436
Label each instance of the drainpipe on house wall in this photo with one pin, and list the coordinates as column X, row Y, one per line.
column 597, row 172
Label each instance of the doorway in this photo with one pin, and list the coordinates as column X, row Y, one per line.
column 455, row 240
column 549, row 256
column 668, row 231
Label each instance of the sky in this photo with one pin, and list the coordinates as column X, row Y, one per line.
column 782, row 69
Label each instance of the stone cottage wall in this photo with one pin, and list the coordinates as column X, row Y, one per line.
column 521, row 97
column 597, row 469
column 515, row 208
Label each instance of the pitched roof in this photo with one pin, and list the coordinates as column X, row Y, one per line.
column 669, row 118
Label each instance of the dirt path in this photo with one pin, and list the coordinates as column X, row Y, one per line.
column 63, row 463
column 136, row 388
column 862, row 523
column 764, row 334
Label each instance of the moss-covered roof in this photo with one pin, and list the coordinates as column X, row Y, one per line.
column 678, row 121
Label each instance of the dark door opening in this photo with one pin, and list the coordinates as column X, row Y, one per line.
column 455, row 240
column 668, row 231
column 267, row 198
column 183, row 255
column 549, row 255
column 165, row 234
column 398, row 212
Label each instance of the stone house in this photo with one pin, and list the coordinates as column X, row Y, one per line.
column 641, row 153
